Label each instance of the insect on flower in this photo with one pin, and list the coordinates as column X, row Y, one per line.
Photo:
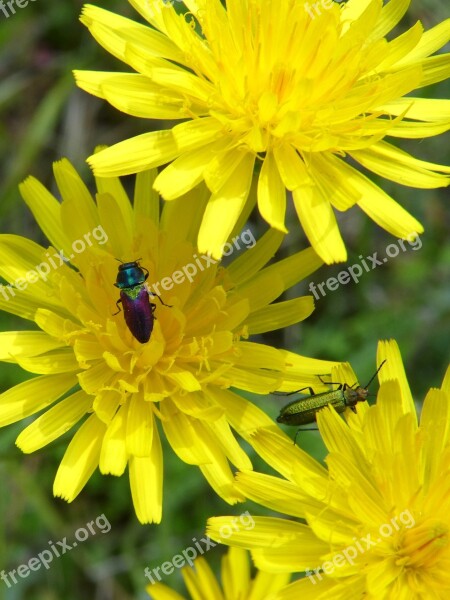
column 304, row 410
column 135, row 299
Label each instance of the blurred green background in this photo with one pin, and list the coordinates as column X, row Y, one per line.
column 44, row 117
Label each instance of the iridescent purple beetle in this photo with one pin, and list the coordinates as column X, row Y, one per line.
column 135, row 300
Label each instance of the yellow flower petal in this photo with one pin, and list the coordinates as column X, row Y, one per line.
column 272, row 194
column 385, row 211
column 144, row 151
column 224, row 208
column 281, row 314
column 113, row 456
column 29, row 397
column 80, row 459
column 25, row 343
column 390, row 162
column 55, row 422
column 319, row 223
column 146, row 484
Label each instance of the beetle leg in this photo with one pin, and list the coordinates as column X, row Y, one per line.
column 117, row 304
column 341, row 386
column 160, row 299
column 311, row 391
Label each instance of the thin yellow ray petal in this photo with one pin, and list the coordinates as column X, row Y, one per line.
column 272, row 534
column 56, row 361
column 31, row 396
column 222, row 433
column 434, row 421
column 334, row 178
column 432, row 40
column 159, row 591
column 46, row 210
column 262, row 289
column 236, row 574
column 26, row 343
column 393, row 369
column 181, row 435
column 181, row 218
column 391, row 14
column 291, row 167
column 446, row 381
column 279, row 315
column 113, row 455
column 220, row 477
column 184, row 173
column 413, row 130
column 382, row 209
column 196, row 133
column 318, row 221
column 114, row 187
column 423, row 109
column 252, row 261
column 112, row 222
column 258, row 356
column 400, row 47
column 182, row 81
column 272, row 194
column 296, row 267
column 146, row 200
column 80, row 459
column 197, row 405
column 55, row 422
column 253, row 380
column 128, row 31
column 275, row 493
column 290, row 461
column 266, row 583
column 140, row 427
column 435, row 69
column 224, row 209
column 74, row 194
column 132, row 94
column 134, row 155
column 314, row 587
column 242, row 415
column 201, row 582
column 146, row 482
column 222, row 163
column 390, row 162
column 19, row 256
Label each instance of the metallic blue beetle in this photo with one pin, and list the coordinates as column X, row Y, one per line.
column 135, row 299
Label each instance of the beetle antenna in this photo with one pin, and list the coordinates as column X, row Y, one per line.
column 375, row 374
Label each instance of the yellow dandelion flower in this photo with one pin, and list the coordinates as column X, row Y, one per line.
column 237, row 582
column 378, row 521
column 275, row 85
column 92, row 368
